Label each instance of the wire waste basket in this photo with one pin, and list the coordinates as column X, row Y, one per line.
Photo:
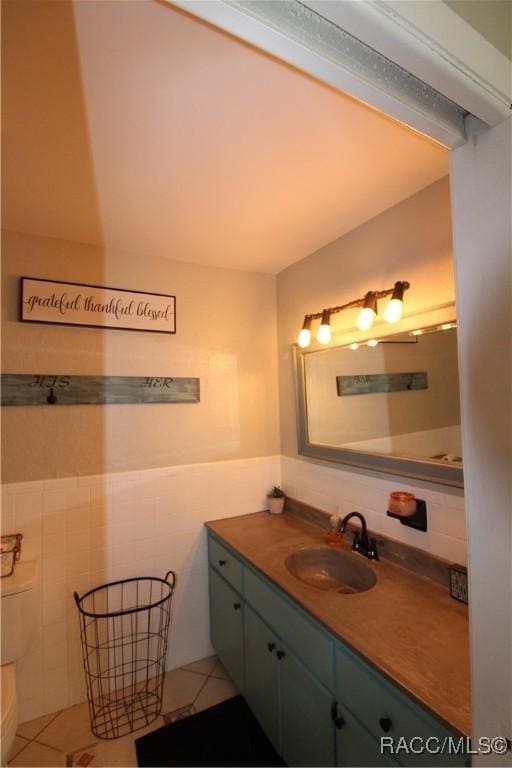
column 124, row 628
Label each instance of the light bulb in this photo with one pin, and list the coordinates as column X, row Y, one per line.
column 368, row 313
column 324, row 334
column 304, row 339
column 372, row 342
column 447, row 326
column 365, row 319
column 417, row 333
column 354, row 346
column 324, row 331
column 393, row 311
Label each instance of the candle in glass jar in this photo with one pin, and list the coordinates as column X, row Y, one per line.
column 402, row 503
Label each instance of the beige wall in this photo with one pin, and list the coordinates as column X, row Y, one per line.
column 411, row 241
column 226, row 335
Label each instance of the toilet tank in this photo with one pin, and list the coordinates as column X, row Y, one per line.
column 18, row 610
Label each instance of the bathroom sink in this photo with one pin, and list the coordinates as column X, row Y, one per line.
column 331, row 569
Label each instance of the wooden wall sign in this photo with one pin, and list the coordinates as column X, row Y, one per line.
column 37, row 389
column 369, row 384
column 95, row 306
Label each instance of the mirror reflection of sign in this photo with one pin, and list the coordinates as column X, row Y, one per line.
column 46, row 301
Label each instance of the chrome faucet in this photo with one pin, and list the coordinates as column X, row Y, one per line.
column 361, row 543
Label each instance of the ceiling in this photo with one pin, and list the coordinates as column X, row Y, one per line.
column 133, row 125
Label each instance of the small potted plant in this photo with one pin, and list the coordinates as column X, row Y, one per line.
column 276, row 499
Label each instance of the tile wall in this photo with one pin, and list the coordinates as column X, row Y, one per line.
column 86, row 531
column 338, row 491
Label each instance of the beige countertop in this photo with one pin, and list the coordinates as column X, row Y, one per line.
column 406, row 626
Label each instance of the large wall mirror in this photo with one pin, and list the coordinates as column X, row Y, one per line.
column 392, row 406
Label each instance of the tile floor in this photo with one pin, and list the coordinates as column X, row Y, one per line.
column 64, row 738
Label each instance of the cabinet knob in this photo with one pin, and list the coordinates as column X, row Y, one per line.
column 236, row 606
column 222, row 562
column 271, row 647
column 386, row 724
column 280, row 655
column 339, row 722
column 337, row 719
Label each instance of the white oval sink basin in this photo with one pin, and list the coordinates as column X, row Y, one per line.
column 331, row 569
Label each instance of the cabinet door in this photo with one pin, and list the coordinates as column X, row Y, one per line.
column 307, row 729
column 355, row 746
column 262, row 675
column 372, row 699
column 226, row 627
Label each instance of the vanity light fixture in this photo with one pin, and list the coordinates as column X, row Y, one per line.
column 367, row 315
column 372, row 342
column 353, row 346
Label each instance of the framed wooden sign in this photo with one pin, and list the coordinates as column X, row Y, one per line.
column 96, row 306
column 59, row 389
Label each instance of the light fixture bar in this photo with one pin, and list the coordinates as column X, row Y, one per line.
column 357, row 302
column 368, row 301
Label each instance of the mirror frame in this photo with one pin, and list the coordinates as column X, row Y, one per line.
column 417, row 469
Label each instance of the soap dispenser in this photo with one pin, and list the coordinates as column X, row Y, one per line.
column 334, row 536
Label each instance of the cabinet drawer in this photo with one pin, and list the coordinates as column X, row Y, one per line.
column 308, row 643
column 385, row 711
column 225, row 563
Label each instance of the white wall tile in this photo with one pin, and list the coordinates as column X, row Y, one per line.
column 79, row 498
column 88, row 530
column 339, row 491
column 53, row 545
column 53, row 523
column 77, row 518
column 28, row 506
column 54, row 501
column 54, row 646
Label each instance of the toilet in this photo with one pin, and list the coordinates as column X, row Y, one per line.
column 18, row 607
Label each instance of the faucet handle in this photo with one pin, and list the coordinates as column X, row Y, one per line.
column 356, row 543
column 373, row 552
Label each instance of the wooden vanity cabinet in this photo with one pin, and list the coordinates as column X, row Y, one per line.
column 319, row 703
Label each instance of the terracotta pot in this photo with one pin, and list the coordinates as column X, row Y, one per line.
column 275, row 504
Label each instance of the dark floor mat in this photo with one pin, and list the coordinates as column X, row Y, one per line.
column 225, row 735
